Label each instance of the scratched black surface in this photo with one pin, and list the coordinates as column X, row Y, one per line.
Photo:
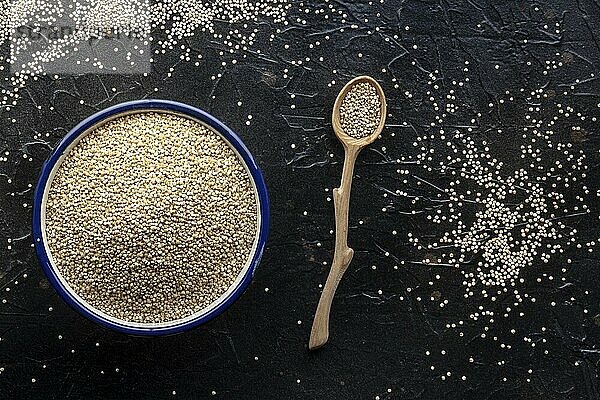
column 258, row 349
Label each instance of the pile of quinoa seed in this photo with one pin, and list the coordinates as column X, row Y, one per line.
column 360, row 111
column 151, row 217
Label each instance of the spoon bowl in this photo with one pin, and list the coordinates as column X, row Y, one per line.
column 336, row 118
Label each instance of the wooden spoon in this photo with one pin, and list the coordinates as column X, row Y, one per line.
column 341, row 198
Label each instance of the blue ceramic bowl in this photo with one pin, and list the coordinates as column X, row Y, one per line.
column 51, row 165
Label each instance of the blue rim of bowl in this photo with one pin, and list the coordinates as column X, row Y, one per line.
column 149, row 105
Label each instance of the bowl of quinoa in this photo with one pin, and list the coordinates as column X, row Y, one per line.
column 150, row 217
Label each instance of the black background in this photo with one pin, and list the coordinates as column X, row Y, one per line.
column 257, row 349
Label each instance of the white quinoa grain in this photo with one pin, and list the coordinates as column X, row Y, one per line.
column 360, row 111
column 151, row 217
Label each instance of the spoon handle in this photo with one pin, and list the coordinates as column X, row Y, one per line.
column 342, row 254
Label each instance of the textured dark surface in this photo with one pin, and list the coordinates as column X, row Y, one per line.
column 386, row 332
